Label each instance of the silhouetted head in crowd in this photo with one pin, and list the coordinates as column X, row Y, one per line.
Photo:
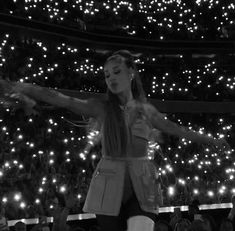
column 193, row 209
column 197, row 225
column 182, row 225
column 227, row 225
column 20, row 226
column 94, row 228
column 2, row 211
column 162, row 225
column 209, row 222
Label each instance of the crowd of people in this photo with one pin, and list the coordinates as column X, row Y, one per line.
column 28, row 180
column 145, row 19
column 27, row 60
column 45, row 146
column 192, row 220
column 76, row 171
column 64, row 76
column 36, row 93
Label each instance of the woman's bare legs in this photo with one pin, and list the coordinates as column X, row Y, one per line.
column 140, row 223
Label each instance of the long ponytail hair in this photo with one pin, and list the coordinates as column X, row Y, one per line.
column 115, row 131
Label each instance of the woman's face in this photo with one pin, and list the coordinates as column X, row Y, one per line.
column 118, row 76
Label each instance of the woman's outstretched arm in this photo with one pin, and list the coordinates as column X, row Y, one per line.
column 169, row 127
column 88, row 107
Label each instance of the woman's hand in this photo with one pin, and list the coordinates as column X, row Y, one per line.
column 221, row 144
column 11, row 96
column 6, row 91
column 6, row 88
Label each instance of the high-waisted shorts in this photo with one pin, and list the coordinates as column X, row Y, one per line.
column 130, row 207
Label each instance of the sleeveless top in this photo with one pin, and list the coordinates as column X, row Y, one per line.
column 110, row 183
column 139, row 127
column 137, row 119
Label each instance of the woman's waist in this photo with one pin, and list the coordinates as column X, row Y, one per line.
column 130, row 155
column 137, row 149
column 124, row 158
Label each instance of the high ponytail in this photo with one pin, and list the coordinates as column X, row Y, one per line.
column 115, row 131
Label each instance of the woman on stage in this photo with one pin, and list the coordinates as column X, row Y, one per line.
column 124, row 189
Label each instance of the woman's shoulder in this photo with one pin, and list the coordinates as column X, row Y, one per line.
column 152, row 110
column 147, row 107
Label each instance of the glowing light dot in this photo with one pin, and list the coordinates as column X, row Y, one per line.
column 4, row 199
column 17, row 197
column 22, row 205
column 93, row 157
column 37, row 201
column 62, row 189
column 21, row 166
column 210, row 193
column 171, row 191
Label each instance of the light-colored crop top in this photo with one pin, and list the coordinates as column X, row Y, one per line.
column 137, row 120
column 139, row 127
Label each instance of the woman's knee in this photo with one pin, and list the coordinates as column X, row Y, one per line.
column 140, row 223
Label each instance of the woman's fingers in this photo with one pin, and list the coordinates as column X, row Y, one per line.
column 5, row 87
column 220, row 144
